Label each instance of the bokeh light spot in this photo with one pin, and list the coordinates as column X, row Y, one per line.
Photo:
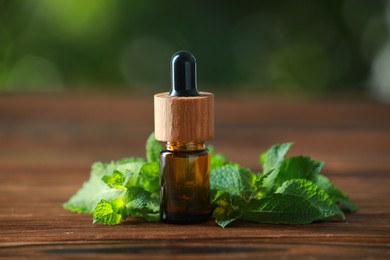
column 33, row 73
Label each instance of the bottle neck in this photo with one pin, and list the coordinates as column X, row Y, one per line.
column 177, row 146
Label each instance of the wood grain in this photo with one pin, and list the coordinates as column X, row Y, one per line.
column 184, row 119
column 47, row 143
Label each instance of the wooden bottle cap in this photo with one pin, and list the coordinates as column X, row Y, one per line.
column 184, row 119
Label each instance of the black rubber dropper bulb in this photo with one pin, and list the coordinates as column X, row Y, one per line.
column 183, row 69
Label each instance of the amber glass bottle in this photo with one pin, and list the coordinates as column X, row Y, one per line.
column 185, row 183
column 184, row 120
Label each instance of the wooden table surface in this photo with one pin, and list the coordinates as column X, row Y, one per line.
column 48, row 142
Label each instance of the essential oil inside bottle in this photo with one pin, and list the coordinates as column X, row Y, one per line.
column 185, row 183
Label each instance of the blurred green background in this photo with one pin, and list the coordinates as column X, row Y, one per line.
column 277, row 46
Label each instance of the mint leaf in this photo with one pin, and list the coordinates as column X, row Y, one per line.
column 296, row 202
column 135, row 201
column 109, row 213
column 92, row 191
column 118, row 180
column 271, row 159
column 115, row 181
column 336, row 195
column 290, row 191
column 233, row 179
column 281, row 209
column 95, row 189
column 153, row 149
column 293, row 168
column 131, row 172
column 225, row 212
column 149, row 178
column 226, row 178
column 216, row 160
column 311, row 192
column 142, row 205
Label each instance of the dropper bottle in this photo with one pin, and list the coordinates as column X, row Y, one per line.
column 184, row 120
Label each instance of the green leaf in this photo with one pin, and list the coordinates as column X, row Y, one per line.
column 225, row 212
column 311, row 192
column 260, row 191
column 115, row 181
column 131, row 172
column 272, row 158
column 141, row 204
column 95, row 189
column 281, row 209
column 109, row 213
column 153, row 149
column 216, row 160
column 137, row 197
column 92, row 191
column 290, row 191
column 336, row 195
column 233, row 179
column 293, row 168
column 150, row 178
